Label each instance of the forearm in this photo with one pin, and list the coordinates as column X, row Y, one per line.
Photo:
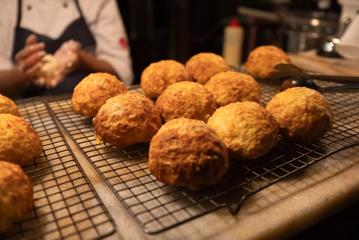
column 12, row 82
column 89, row 62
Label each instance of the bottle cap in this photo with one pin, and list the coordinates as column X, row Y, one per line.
column 234, row 22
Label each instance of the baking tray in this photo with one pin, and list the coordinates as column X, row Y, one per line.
column 65, row 203
column 157, row 207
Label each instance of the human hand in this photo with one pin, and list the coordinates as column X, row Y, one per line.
column 67, row 57
column 28, row 59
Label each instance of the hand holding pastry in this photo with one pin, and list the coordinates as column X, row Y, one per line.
column 56, row 67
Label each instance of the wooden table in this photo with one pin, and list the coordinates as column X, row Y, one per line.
column 332, row 66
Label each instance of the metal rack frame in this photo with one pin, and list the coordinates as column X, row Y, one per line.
column 65, row 203
column 157, row 207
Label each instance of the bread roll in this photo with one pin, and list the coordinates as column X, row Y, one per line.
column 159, row 75
column 202, row 66
column 302, row 113
column 186, row 99
column 246, row 128
column 15, row 194
column 93, row 91
column 19, row 142
column 187, row 153
column 8, row 106
column 229, row 87
column 127, row 119
column 262, row 60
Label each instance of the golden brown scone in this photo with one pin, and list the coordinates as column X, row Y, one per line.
column 229, row 87
column 15, row 194
column 262, row 60
column 202, row 66
column 246, row 128
column 186, row 99
column 19, row 142
column 187, row 153
column 93, row 91
column 159, row 75
column 127, row 119
column 302, row 113
column 8, row 106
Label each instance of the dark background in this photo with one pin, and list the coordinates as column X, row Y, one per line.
column 177, row 29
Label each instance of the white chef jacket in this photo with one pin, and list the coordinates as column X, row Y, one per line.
column 51, row 17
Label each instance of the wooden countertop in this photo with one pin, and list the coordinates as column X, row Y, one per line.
column 332, row 66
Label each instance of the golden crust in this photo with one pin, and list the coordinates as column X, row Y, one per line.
column 93, row 91
column 247, row 129
column 186, row 99
column 15, row 194
column 19, row 142
column 187, row 153
column 127, row 119
column 229, row 87
column 159, row 75
column 8, row 106
column 302, row 113
column 202, row 66
column 262, row 60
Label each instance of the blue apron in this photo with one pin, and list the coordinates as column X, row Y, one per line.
column 77, row 30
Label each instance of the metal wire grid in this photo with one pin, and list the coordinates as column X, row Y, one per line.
column 157, row 207
column 65, row 203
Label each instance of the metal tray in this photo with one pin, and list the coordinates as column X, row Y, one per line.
column 157, row 207
column 65, row 203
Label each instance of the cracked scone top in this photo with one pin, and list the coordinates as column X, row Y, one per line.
column 229, row 87
column 19, row 142
column 302, row 113
column 8, row 106
column 186, row 99
column 159, row 75
column 202, row 66
column 93, row 91
column 187, row 153
column 247, row 129
column 15, row 194
column 262, row 60
column 127, row 119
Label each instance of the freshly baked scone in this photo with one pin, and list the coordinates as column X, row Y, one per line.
column 262, row 60
column 15, row 194
column 246, row 128
column 187, row 153
column 159, row 75
column 186, row 99
column 19, row 142
column 8, row 106
column 229, row 87
column 127, row 119
column 202, row 66
column 302, row 113
column 93, row 91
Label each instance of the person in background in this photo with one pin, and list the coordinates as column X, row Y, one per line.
column 48, row 46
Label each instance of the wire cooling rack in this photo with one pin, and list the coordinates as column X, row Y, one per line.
column 65, row 203
column 157, row 207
